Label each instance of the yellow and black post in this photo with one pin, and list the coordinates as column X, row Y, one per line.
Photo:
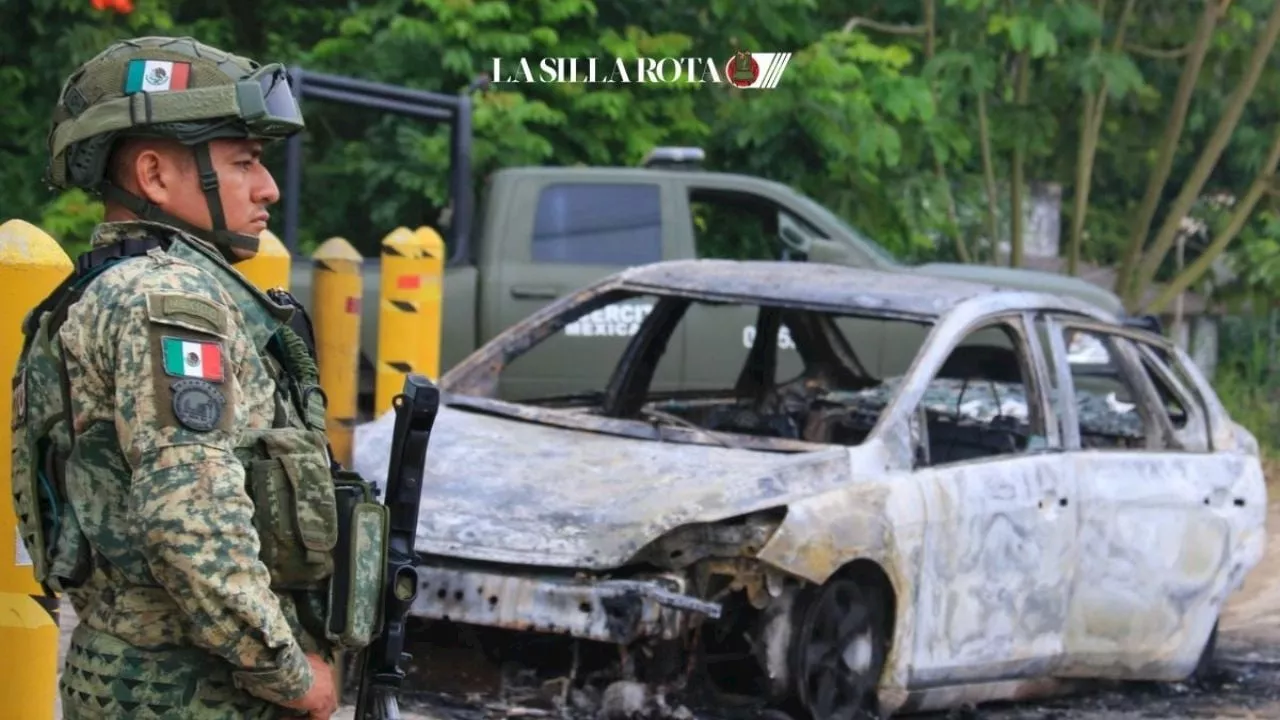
column 270, row 267
column 409, row 310
column 31, row 265
column 337, row 289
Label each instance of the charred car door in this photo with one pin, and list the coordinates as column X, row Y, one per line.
column 1157, row 507
column 1000, row 514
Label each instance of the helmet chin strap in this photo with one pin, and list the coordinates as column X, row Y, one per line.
column 220, row 237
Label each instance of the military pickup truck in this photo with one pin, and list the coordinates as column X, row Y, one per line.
column 543, row 232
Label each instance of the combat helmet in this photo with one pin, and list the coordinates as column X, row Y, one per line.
column 174, row 88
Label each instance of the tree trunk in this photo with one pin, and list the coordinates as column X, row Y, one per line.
column 1239, row 216
column 1211, row 153
column 1095, row 107
column 1126, row 278
column 988, row 173
column 930, row 49
column 1017, row 181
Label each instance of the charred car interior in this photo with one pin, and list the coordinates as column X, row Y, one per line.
column 803, row 378
column 803, row 525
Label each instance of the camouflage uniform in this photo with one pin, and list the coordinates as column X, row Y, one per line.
column 171, row 473
column 164, row 504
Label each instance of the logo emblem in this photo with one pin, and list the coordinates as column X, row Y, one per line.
column 197, row 404
column 157, row 76
column 742, row 70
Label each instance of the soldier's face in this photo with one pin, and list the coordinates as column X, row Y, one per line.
column 245, row 187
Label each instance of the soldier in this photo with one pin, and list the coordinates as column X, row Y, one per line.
column 171, row 472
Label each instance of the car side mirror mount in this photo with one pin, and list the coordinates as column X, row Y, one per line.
column 831, row 253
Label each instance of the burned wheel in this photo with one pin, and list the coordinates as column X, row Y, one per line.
column 839, row 651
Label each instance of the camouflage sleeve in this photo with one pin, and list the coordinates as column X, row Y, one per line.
column 172, row 343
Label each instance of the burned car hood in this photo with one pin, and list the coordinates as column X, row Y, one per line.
column 507, row 490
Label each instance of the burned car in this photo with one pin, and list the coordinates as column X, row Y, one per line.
column 1025, row 494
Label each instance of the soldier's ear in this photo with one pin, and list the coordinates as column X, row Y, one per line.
column 155, row 174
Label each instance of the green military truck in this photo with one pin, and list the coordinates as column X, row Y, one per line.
column 542, row 232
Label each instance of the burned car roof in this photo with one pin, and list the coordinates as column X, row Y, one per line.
column 804, row 284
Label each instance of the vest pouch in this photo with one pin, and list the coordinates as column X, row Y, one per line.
column 58, row 551
column 72, row 556
column 355, row 591
column 294, row 507
column 35, row 516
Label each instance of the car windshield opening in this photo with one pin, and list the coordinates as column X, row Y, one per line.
column 703, row 371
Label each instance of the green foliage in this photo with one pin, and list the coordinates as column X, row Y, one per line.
column 881, row 127
column 70, row 219
column 865, row 121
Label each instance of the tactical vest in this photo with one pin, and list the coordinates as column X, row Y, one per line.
column 321, row 529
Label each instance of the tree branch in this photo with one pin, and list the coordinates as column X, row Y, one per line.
column 1260, row 186
column 1126, row 277
column 883, row 27
column 1161, row 53
column 1212, row 152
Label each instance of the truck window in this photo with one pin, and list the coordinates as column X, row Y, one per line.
column 733, row 226
column 598, row 224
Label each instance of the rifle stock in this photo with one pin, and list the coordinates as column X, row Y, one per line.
column 383, row 662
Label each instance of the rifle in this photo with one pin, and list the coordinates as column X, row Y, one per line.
column 382, row 667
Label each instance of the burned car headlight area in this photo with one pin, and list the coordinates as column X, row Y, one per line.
column 607, row 610
column 695, row 601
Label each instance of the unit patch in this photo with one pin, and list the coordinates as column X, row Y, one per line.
column 197, row 404
column 190, row 312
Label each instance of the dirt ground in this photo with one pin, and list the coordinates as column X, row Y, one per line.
column 1245, row 683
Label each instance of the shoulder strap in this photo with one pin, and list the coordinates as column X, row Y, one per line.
column 300, row 321
column 88, row 266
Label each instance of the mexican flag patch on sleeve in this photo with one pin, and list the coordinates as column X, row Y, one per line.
column 192, row 359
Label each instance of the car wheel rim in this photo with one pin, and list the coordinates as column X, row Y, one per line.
column 838, row 659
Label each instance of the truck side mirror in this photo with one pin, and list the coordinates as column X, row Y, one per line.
column 793, row 238
column 830, row 252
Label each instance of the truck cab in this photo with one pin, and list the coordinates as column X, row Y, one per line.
column 543, row 232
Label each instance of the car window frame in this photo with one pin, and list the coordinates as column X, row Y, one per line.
column 898, row 418
column 1194, row 435
column 1159, row 433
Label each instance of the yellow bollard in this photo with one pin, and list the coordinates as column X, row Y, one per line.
column 432, row 311
column 270, row 267
column 31, row 265
column 409, row 310
column 335, row 310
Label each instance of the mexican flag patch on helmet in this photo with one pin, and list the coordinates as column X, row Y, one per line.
column 156, row 76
